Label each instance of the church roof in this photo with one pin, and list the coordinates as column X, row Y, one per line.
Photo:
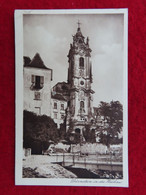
column 61, row 87
column 36, row 62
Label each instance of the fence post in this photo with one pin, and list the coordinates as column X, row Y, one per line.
column 78, row 155
column 85, row 161
column 63, row 158
column 111, row 160
column 73, row 159
column 97, row 158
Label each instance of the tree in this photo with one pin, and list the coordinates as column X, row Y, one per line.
column 89, row 134
column 70, row 133
column 39, row 130
column 62, row 130
column 111, row 115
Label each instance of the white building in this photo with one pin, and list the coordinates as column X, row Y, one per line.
column 37, row 86
column 58, row 108
column 59, row 101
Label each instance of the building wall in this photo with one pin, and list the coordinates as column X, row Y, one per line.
column 58, row 113
column 32, row 102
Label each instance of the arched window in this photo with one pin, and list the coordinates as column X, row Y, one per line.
column 81, row 104
column 81, row 62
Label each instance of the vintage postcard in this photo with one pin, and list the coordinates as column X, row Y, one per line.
column 71, row 97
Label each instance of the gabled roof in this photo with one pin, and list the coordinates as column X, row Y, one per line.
column 36, row 62
column 61, row 87
column 58, row 97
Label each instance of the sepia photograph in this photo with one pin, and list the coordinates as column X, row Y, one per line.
column 71, row 97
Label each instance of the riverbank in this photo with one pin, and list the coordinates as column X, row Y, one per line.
column 74, row 166
column 41, row 166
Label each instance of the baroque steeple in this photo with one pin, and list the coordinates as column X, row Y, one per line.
column 79, row 46
column 78, row 37
column 79, row 80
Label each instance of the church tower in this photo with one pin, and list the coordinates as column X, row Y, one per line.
column 79, row 111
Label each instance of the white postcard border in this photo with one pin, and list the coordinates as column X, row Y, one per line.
column 19, row 105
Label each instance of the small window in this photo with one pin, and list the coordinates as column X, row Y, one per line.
column 62, row 106
column 37, row 95
column 55, row 115
column 62, row 116
column 81, row 62
column 55, row 105
column 37, row 81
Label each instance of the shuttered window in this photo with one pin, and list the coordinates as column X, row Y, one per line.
column 41, row 81
column 33, row 78
column 37, row 81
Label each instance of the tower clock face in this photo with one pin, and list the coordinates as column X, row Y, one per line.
column 82, row 82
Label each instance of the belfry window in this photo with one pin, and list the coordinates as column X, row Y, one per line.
column 81, row 62
column 81, row 104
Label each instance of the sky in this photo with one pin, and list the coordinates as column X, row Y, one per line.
column 51, row 35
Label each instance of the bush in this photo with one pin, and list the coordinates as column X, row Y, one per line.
column 37, row 131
